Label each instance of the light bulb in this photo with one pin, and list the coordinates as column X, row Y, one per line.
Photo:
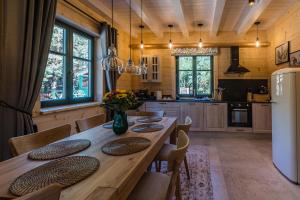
column 200, row 44
column 142, row 45
column 170, row 44
column 251, row 2
column 257, row 43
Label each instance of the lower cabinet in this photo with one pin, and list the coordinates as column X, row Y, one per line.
column 171, row 109
column 262, row 117
column 195, row 111
column 215, row 116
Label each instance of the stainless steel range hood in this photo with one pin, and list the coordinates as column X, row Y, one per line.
column 235, row 67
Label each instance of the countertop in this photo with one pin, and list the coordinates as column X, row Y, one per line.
column 194, row 100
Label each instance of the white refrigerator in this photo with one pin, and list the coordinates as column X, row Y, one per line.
column 286, row 122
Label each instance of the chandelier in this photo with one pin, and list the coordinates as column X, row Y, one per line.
column 111, row 62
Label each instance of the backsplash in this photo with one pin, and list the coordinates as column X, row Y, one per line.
column 236, row 89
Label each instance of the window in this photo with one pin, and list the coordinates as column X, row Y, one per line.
column 68, row 76
column 194, row 76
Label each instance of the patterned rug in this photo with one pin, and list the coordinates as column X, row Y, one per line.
column 199, row 187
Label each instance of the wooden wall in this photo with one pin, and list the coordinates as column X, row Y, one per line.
column 255, row 59
column 285, row 29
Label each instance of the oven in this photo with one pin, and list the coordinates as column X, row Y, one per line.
column 239, row 114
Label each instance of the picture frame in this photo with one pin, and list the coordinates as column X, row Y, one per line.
column 295, row 59
column 282, row 53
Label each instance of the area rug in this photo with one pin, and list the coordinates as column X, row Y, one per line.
column 199, row 187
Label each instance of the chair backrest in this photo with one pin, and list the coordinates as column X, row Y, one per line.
column 176, row 158
column 186, row 126
column 25, row 143
column 91, row 122
column 143, row 113
column 51, row 192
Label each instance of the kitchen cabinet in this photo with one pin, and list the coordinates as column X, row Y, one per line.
column 153, row 73
column 262, row 117
column 215, row 117
column 171, row 109
column 195, row 111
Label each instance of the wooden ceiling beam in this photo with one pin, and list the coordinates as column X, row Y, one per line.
column 217, row 17
column 253, row 15
column 148, row 18
column 102, row 8
column 179, row 16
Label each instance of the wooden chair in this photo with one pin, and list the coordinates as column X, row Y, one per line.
column 51, row 192
column 159, row 186
column 91, row 122
column 143, row 113
column 165, row 151
column 26, row 143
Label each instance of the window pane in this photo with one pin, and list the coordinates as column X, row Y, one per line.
column 186, row 82
column 58, row 40
column 203, row 63
column 81, row 46
column 53, row 85
column 203, row 82
column 185, row 63
column 81, row 78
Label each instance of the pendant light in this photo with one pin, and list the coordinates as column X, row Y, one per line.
column 257, row 42
column 251, row 2
column 200, row 43
column 112, row 62
column 142, row 66
column 170, row 45
column 130, row 67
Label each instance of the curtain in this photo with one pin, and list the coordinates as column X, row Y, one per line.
column 26, row 29
column 108, row 35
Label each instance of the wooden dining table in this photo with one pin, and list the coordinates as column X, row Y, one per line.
column 116, row 176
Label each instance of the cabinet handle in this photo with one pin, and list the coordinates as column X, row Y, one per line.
column 265, row 105
column 162, row 103
column 214, row 104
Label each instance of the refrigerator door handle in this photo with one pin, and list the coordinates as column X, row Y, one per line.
column 273, row 101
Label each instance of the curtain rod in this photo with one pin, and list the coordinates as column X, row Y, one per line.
column 82, row 11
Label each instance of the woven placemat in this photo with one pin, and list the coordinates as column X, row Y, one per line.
column 109, row 125
column 125, row 146
column 149, row 119
column 146, row 128
column 64, row 171
column 59, row 149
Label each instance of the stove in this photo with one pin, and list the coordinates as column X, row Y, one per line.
column 239, row 114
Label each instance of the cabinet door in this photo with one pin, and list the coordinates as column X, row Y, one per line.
column 155, row 70
column 262, row 118
column 195, row 111
column 215, row 116
column 145, row 77
column 171, row 109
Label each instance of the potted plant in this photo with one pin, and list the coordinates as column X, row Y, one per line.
column 119, row 102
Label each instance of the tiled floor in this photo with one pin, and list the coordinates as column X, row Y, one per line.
column 242, row 168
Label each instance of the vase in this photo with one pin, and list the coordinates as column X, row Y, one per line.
column 120, row 125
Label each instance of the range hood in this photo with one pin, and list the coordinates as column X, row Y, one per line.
column 235, row 67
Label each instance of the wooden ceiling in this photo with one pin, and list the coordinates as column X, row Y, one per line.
column 216, row 15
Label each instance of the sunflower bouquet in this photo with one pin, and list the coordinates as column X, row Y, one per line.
column 120, row 101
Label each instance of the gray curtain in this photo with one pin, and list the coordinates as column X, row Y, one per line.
column 26, row 29
column 108, row 35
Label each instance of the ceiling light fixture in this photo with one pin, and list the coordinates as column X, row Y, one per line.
column 251, row 2
column 257, row 42
column 112, row 62
column 142, row 66
column 200, row 43
column 130, row 67
column 170, row 45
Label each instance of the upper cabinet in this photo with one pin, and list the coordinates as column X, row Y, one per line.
column 153, row 65
column 262, row 117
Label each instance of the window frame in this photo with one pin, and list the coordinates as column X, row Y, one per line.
column 69, row 68
column 194, row 74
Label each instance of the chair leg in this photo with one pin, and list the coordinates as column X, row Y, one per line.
column 186, row 168
column 157, row 165
column 178, row 188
